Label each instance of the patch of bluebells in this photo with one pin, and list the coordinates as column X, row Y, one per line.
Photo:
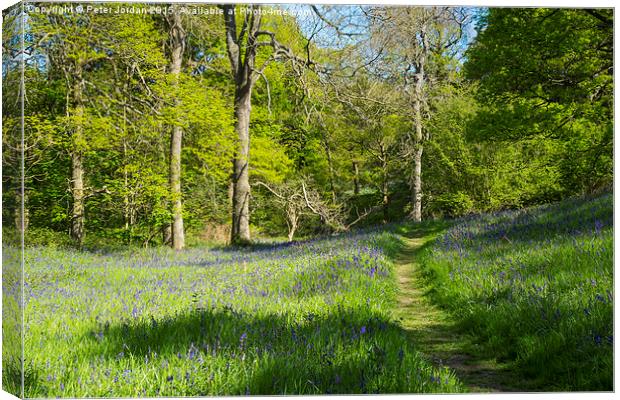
column 544, row 272
column 116, row 317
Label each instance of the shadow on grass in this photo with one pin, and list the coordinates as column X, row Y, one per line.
column 441, row 338
column 395, row 247
column 425, row 229
column 255, row 247
column 490, row 345
column 352, row 351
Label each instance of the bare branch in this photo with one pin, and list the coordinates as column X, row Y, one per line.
column 262, row 74
column 278, row 195
column 360, row 217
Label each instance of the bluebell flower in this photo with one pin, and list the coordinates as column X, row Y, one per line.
column 192, row 352
column 598, row 226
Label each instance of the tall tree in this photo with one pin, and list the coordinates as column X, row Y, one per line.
column 242, row 48
column 243, row 40
column 70, row 46
column 177, row 49
column 415, row 45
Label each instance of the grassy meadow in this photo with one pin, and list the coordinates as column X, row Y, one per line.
column 305, row 318
column 535, row 287
column 532, row 288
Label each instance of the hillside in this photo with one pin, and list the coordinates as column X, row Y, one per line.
column 535, row 288
column 304, row 318
column 530, row 288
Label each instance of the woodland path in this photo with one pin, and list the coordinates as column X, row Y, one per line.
column 434, row 332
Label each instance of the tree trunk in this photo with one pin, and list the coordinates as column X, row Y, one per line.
column 126, row 206
column 386, row 204
column 77, row 167
column 386, row 201
column 21, row 210
column 77, row 189
column 292, row 225
column 242, row 68
column 356, row 178
column 240, row 233
column 416, row 181
column 231, row 192
column 384, row 184
column 178, row 234
column 167, row 235
column 416, row 175
column 177, row 40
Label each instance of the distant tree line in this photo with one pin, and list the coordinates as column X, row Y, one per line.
column 170, row 129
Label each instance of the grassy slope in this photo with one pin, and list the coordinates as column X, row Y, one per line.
column 11, row 321
column 535, row 287
column 433, row 329
column 313, row 317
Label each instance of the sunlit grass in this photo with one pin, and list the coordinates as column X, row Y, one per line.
column 311, row 317
column 11, row 321
column 536, row 288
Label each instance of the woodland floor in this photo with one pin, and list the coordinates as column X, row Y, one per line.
column 435, row 331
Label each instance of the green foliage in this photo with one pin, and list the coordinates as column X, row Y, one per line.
column 568, row 49
column 484, row 175
column 269, row 159
column 547, row 73
column 532, row 125
column 453, row 204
